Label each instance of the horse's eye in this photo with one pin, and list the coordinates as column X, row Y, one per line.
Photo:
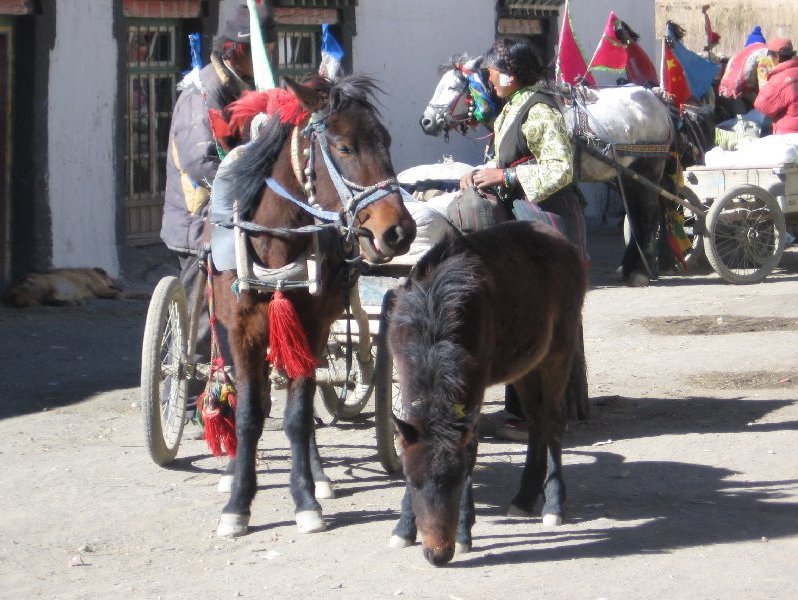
column 343, row 149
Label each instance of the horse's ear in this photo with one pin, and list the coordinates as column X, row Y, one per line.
column 407, row 431
column 312, row 98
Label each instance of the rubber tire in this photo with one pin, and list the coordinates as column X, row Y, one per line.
column 167, row 312
column 714, row 254
column 358, row 395
column 385, row 391
column 693, row 257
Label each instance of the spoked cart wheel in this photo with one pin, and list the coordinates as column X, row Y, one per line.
column 164, row 379
column 345, row 392
column 333, row 380
column 745, row 235
column 387, row 396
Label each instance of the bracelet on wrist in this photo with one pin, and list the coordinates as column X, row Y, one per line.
column 509, row 178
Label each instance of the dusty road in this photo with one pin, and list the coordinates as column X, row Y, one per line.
column 684, row 483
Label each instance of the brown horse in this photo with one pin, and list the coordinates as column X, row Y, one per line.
column 501, row 305
column 324, row 171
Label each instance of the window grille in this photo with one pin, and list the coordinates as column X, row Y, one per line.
column 299, row 50
column 154, row 61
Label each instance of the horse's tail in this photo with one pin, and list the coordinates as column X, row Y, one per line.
column 254, row 165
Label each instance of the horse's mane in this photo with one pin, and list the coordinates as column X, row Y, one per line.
column 429, row 313
column 455, row 61
column 354, row 89
column 256, row 164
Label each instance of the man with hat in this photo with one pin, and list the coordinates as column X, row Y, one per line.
column 198, row 138
column 778, row 98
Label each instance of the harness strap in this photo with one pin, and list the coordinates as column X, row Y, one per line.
column 324, row 215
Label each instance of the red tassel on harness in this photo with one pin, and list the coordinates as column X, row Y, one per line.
column 288, row 346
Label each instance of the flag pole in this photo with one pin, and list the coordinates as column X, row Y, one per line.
column 558, row 73
column 264, row 77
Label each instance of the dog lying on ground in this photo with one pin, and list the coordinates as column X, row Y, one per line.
column 61, row 287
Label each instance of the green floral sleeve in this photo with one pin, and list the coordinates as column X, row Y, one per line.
column 548, row 139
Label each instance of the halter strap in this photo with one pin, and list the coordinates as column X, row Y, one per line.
column 353, row 203
column 323, row 215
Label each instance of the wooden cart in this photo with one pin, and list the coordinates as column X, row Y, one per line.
column 745, row 211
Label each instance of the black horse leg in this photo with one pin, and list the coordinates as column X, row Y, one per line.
column 467, row 516
column 226, row 480
column 554, row 486
column 405, row 532
column 298, row 426
column 323, row 484
column 249, row 426
column 533, row 475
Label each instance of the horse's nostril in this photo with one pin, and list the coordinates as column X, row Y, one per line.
column 396, row 237
column 425, row 123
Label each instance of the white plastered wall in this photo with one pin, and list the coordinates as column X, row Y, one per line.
column 401, row 43
column 81, row 122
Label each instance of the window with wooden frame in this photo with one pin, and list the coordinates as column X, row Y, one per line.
column 155, row 59
column 298, row 50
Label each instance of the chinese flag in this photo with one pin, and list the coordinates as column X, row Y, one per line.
column 571, row 65
column 674, row 81
column 610, row 54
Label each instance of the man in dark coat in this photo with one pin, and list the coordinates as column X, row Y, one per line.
column 195, row 149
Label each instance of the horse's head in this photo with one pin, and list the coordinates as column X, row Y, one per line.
column 435, row 459
column 461, row 100
column 349, row 168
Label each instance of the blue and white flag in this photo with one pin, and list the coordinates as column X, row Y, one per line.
column 192, row 77
column 331, row 55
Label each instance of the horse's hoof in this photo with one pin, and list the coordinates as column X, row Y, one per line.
column 324, row 490
column 462, row 547
column 225, row 485
column 552, row 520
column 399, row 542
column 232, row 525
column 309, row 521
column 517, row 511
column 638, row 279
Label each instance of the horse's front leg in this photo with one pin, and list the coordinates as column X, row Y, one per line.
column 249, row 426
column 405, row 532
column 467, row 516
column 225, row 485
column 298, row 426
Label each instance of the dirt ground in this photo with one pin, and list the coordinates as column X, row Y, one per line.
column 684, row 483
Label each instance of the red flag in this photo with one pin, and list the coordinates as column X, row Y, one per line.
column 610, row 54
column 674, row 81
column 639, row 68
column 571, row 65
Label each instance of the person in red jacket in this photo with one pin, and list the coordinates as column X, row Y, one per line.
column 778, row 98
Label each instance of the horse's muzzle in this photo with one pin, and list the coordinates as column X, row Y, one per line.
column 439, row 556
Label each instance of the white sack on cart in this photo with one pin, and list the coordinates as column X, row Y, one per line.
column 431, row 227
column 763, row 152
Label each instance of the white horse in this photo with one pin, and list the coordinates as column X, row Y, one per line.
column 630, row 125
